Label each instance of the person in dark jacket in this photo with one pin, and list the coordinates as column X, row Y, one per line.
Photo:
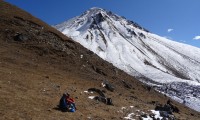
column 63, row 103
column 67, row 103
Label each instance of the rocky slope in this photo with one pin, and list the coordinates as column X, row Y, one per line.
column 171, row 67
column 38, row 64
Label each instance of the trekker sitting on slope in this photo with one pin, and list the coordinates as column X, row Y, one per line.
column 67, row 103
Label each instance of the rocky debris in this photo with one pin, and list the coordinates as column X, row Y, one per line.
column 158, row 114
column 144, row 115
column 127, row 85
column 129, row 22
column 142, row 35
column 132, row 113
column 107, row 101
column 167, row 110
column 99, row 18
column 70, row 44
column 108, row 85
column 20, row 21
column 101, row 97
column 186, row 93
column 34, row 34
column 132, row 32
column 20, row 37
column 97, row 91
column 98, row 70
column 174, row 108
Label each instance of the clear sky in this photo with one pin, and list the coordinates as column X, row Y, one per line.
column 175, row 19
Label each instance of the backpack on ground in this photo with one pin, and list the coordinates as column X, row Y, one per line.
column 72, row 108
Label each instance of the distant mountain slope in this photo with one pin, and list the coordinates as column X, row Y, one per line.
column 154, row 60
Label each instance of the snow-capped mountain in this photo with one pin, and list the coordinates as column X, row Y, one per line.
column 171, row 67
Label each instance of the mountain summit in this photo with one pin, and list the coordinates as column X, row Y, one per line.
column 171, row 67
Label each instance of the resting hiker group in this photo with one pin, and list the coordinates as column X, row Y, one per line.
column 67, row 104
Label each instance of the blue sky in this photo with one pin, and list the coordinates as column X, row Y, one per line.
column 176, row 19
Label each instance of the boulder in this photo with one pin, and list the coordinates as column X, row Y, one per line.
column 108, row 86
column 107, row 101
column 20, row 37
column 97, row 91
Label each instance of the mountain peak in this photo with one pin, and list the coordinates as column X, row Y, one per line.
column 130, row 47
column 92, row 12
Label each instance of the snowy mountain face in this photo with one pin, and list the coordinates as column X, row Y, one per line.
column 170, row 67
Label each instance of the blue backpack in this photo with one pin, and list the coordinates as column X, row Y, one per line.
column 72, row 108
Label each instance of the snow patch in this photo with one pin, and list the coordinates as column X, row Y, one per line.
column 157, row 114
column 91, row 97
column 129, row 116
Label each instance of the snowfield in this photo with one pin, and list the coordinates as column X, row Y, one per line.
column 172, row 68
